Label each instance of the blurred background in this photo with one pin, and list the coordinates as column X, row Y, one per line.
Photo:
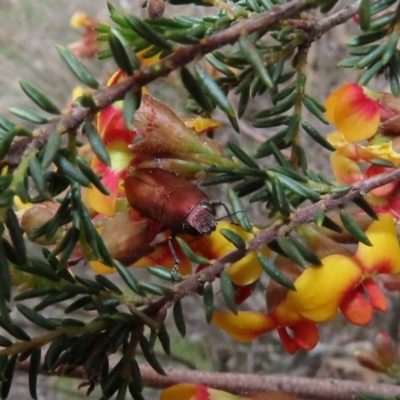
column 29, row 30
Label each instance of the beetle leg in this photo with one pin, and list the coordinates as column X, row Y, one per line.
column 176, row 259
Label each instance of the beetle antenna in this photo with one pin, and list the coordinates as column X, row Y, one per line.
column 176, row 259
column 228, row 213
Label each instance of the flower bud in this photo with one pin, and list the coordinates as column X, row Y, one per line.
column 384, row 348
column 370, row 360
column 127, row 240
column 38, row 215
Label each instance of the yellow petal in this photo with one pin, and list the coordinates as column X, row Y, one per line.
column 357, row 152
column 100, row 268
column 321, row 289
column 245, row 326
column 384, row 256
column 346, row 171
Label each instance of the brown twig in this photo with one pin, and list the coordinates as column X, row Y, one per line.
column 181, row 57
column 301, row 216
column 307, row 388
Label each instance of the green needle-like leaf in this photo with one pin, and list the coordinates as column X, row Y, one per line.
column 77, row 68
column 39, row 98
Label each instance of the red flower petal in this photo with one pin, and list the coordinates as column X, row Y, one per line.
column 356, row 308
column 376, row 297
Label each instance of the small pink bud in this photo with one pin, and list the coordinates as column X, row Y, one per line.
column 384, row 348
column 370, row 360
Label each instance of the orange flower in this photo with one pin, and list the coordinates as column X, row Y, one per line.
column 383, row 199
column 356, row 152
column 190, row 391
column 88, row 46
column 243, row 273
column 320, row 291
column 355, row 111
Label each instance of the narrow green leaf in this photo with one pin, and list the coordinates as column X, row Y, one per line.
column 102, row 280
column 68, row 243
column 366, row 207
column 228, row 292
column 280, row 107
column 5, row 342
column 145, row 31
column 354, row 229
column 315, row 108
column 5, row 142
column 190, row 254
column 333, row 226
column 252, row 56
column 152, row 288
column 136, row 382
column 77, row 68
column 51, row 149
column 367, row 38
column 307, row 254
column 298, row 188
column 239, row 211
column 208, row 299
column 281, row 200
column 364, row 14
column 5, row 278
column 76, row 305
column 291, row 251
column 163, row 273
column 242, row 155
column 371, row 57
column 34, row 365
column 96, row 143
column 8, row 374
column 128, row 278
column 149, row 356
column 315, row 135
column 31, row 294
column 39, row 98
column 391, row 47
column 28, row 115
column 274, row 273
column 196, row 91
column 370, row 73
column 179, row 318
column 90, row 174
column 54, row 299
column 216, row 94
column 164, row 339
column 132, row 102
column 243, row 101
column 16, row 235
column 54, row 351
column 69, row 170
column 233, row 238
column 35, row 317
column 394, row 80
column 14, row 330
column 121, row 51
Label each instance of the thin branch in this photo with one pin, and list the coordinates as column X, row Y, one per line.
column 145, row 75
column 281, row 228
column 307, row 388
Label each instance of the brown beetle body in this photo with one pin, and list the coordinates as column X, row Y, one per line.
column 171, row 201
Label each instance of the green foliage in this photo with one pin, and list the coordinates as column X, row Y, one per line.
column 266, row 62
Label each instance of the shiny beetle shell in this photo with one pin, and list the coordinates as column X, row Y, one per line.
column 170, row 200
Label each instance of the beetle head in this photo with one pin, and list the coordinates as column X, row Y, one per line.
column 201, row 220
